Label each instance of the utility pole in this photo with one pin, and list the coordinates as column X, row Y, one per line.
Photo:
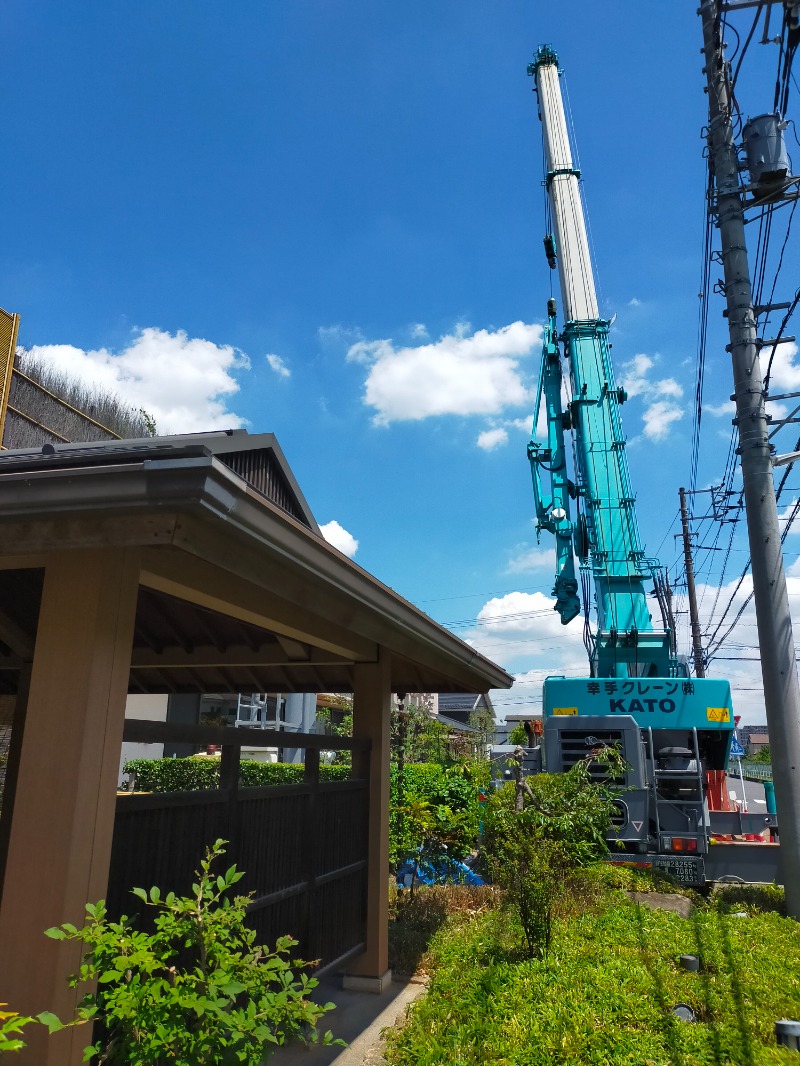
column 694, row 618
column 778, row 663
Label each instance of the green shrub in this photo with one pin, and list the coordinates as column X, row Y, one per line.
column 11, row 1024
column 531, row 852
column 519, row 735
column 750, row 898
column 194, row 990
column 439, row 803
column 186, row 775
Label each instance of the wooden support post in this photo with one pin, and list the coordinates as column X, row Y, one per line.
column 59, row 841
column 311, row 780
column 372, row 719
column 229, row 767
column 12, row 766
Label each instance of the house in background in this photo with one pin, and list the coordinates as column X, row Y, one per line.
column 470, row 709
column 753, row 738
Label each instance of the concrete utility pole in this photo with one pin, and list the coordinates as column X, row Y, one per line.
column 694, row 618
column 778, row 663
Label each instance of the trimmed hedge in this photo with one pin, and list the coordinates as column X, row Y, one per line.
column 187, row 775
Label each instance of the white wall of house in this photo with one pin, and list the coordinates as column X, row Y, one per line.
column 150, row 709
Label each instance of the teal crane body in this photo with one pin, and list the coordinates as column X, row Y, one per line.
column 592, row 514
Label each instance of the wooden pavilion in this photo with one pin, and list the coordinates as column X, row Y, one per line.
column 172, row 565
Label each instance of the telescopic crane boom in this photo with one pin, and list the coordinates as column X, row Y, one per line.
column 604, row 533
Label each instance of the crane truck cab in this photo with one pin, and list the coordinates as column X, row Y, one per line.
column 675, row 735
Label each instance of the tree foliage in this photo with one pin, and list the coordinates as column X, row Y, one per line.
column 518, row 735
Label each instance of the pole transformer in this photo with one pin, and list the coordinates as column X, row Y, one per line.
column 694, row 618
column 778, row 662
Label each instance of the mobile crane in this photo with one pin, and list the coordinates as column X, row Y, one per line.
column 674, row 730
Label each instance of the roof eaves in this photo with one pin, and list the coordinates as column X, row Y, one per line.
column 204, row 484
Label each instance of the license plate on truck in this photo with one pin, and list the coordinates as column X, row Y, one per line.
column 685, row 870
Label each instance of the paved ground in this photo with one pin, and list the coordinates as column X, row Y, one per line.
column 359, row 1018
column 754, row 792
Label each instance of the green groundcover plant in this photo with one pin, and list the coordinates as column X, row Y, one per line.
column 196, row 989
column 604, row 995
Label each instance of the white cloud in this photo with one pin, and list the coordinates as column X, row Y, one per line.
column 737, row 659
column 634, row 302
column 492, row 438
column 786, row 514
column 658, row 417
column 719, row 410
column 419, row 330
column 529, row 559
column 523, row 424
column 785, row 373
column 339, row 537
column 634, row 375
column 670, row 387
column 659, row 412
column 522, row 632
column 460, row 374
column 277, row 364
column 333, row 336
column 524, row 623
column 182, row 381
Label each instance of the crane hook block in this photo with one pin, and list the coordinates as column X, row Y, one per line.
column 551, row 307
column 550, row 250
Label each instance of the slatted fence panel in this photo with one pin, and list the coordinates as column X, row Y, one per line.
column 303, row 849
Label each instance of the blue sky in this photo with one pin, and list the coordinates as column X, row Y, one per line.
column 325, row 221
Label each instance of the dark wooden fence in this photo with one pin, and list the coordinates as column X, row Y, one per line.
column 302, row 847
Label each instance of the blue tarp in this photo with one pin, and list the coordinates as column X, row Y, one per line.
column 442, row 872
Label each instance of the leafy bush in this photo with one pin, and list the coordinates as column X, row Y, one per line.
column 11, row 1024
column 751, row 898
column 518, row 735
column 186, row 775
column 531, row 852
column 439, row 803
column 196, row 989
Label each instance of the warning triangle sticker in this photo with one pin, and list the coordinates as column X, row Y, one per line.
column 637, row 826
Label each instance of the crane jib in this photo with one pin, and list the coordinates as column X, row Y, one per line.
column 593, row 513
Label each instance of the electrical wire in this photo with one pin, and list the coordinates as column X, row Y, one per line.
column 748, row 39
column 783, row 326
column 702, row 329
